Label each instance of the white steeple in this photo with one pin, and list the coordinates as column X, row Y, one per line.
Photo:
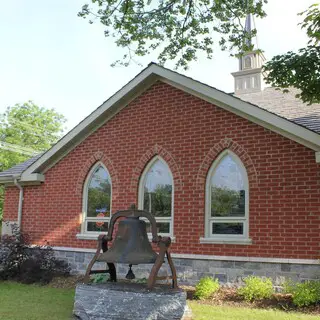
column 249, row 78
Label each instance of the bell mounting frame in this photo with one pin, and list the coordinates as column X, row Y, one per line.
column 163, row 243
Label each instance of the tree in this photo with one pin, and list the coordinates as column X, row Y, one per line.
column 158, row 201
column 226, row 202
column 99, row 198
column 300, row 70
column 179, row 29
column 26, row 130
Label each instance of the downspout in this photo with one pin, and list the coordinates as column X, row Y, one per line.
column 20, row 201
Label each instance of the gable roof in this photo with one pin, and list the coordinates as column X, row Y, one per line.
column 144, row 80
column 286, row 105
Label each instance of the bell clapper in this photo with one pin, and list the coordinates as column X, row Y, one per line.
column 130, row 275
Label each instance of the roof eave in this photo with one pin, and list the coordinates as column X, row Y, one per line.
column 34, row 178
column 6, row 179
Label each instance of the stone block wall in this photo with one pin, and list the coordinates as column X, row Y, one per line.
column 190, row 271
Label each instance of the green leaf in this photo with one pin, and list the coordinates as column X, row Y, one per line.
column 179, row 29
column 26, row 129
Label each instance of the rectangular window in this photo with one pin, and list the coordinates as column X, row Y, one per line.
column 227, row 228
column 162, row 227
column 97, row 226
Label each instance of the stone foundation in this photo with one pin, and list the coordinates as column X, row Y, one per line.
column 190, row 270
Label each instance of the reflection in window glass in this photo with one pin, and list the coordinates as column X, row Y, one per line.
column 162, row 227
column 97, row 226
column 158, row 190
column 227, row 207
column 227, row 190
column 99, row 194
column 227, row 228
column 98, row 201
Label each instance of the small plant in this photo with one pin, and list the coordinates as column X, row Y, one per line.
column 28, row 264
column 141, row 280
column 206, row 287
column 304, row 294
column 99, row 278
column 256, row 288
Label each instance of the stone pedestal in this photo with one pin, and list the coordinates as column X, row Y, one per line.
column 129, row 301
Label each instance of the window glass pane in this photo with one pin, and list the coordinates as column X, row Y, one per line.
column 97, row 226
column 99, row 194
column 227, row 228
column 227, row 190
column 162, row 227
column 158, row 190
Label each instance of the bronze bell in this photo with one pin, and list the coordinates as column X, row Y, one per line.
column 131, row 244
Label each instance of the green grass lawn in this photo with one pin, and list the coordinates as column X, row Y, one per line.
column 30, row 302
column 205, row 312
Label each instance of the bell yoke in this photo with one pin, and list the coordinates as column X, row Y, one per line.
column 131, row 246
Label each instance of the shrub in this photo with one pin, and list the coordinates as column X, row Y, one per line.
column 206, row 287
column 304, row 294
column 28, row 264
column 256, row 288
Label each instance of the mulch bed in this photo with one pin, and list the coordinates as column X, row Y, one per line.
column 224, row 297
column 66, row 282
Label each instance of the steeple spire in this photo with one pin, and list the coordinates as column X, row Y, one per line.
column 249, row 78
column 248, row 30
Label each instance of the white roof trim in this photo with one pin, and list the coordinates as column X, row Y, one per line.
column 153, row 73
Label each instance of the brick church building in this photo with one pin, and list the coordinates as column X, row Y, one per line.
column 233, row 179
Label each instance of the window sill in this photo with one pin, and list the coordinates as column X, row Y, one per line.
column 86, row 236
column 226, row 241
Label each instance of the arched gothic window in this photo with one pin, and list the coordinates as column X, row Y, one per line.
column 156, row 194
column 227, row 197
column 97, row 200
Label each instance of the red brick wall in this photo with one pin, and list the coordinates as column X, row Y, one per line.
column 188, row 133
column 11, row 203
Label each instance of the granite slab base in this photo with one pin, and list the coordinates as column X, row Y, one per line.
column 123, row 301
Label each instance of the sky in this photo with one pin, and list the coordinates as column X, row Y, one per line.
column 51, row 56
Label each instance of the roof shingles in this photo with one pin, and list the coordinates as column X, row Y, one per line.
column 19, row 168
column 286, row 105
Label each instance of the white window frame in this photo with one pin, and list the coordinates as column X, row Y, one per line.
column 209, row 236
column 141, row 194
column 85, row 219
